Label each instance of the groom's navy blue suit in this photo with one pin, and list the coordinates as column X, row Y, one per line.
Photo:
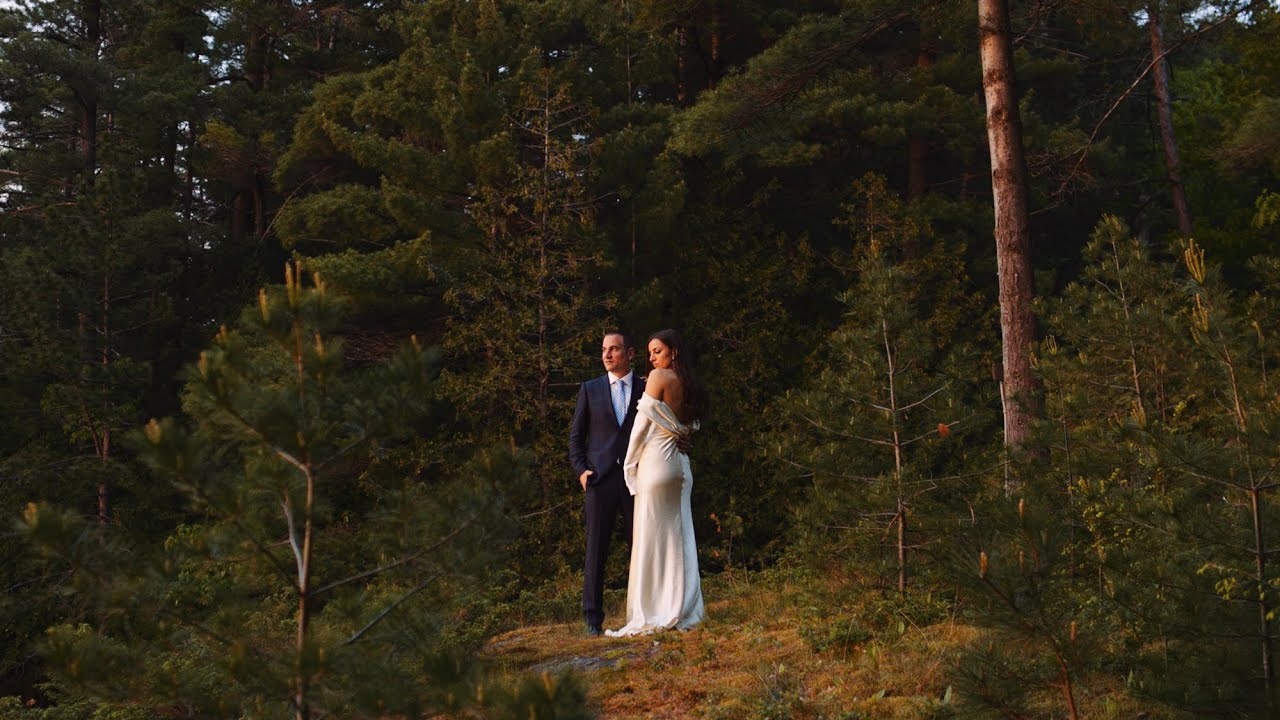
column 598, row 443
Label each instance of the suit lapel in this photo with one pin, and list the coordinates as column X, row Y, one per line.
column 604, row 400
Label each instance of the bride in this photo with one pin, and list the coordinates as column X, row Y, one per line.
column 663, row 590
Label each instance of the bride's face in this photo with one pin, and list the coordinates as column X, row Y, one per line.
column 660, row 355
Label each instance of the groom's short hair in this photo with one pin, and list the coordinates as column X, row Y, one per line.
column 628, row 343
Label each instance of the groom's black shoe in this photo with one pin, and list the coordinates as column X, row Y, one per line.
column 593, row 630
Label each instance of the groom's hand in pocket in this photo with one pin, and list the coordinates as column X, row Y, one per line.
column 586, row 474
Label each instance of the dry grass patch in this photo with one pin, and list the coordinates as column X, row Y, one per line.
column 777, row 648
column 748, row 660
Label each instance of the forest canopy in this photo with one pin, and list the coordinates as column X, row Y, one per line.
column 296, row 297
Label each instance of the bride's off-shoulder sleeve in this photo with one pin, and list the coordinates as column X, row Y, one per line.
column 635, row 448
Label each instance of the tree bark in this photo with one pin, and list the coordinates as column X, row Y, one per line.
column 1164, row 113
column 189, row 179
column 713, row 70
column 900, row 504
column 626, row 11
column 258, row 73
column 89, row 98
column 255, row 58
column 104, row 446
column 259, row 205
column 302, row 681
column 682, row 65
column 239, row 216
column 1264, row 607
column 1012, row 221
column 171, row 132
column 918, row 145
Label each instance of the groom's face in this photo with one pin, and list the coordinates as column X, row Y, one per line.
column 615, row 355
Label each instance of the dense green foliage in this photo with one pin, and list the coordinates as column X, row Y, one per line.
column 466, row 194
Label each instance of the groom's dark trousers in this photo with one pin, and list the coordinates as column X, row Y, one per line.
column 599, row 444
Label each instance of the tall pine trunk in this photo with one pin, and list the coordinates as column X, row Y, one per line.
column 900, row 502
column 1012, row 220
column 249, row 205
column 1260, row 552
column 104, row 443
column 682, row 65
column 89, row 99
column 89, row 145
column 302, row 678
column 1164, row 113
column 713, row 66
column 918, row 144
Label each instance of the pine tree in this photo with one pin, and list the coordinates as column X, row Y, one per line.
column 879, row 423
column 90, row 273
column 1155, row 558
column 316, row 575
column 482, row 170
column 1020, row 581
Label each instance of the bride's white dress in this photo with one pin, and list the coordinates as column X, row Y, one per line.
column 663, row 589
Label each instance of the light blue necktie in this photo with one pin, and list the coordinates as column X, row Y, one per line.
column 619, row 400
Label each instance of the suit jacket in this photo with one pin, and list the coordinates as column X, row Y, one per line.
column 596, row 441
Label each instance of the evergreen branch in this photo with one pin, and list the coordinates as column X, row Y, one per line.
column 535, row 513
column 1193, row 534
column 924, row 399
column 65, row 575
column 387, row 610
column 133, row 328
column 811, row 471
column 342, row 451
column 897, row 517
column 275, row 449
column 1083, row 151
column 847, row 436
column 287, row 507
column 844, row 476
column 186, row 621
column 1039, row 11
column 756, row 101
column 869, row 404
column 982, row 472
column 27, row 470
column 264, row 550
column 926, row 434
column 31, row 208
column 932, row 485
column 397, row 563
column 1194, row 471
column 1184, row 628
column 280, row 211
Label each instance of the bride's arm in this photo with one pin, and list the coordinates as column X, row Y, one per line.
column 635, row 448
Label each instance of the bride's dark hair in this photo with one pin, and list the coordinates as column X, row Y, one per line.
column 695, row 393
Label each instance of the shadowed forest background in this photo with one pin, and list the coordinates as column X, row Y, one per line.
column 295, row 298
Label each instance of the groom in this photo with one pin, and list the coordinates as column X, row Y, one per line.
column 598, row 440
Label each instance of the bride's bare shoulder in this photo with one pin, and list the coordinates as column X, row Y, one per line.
column 658, row 380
